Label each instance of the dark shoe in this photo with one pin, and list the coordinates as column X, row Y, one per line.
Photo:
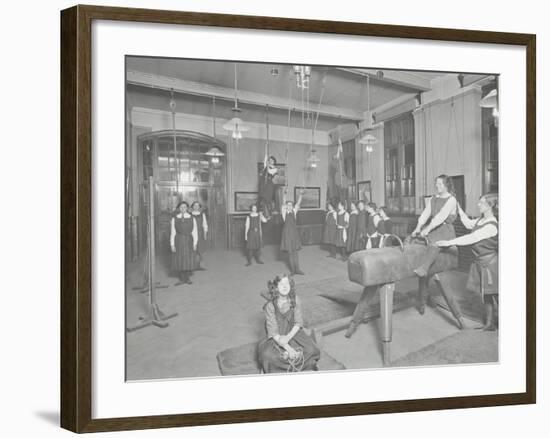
column 352, row 328
column 422, row 309
column 331, row 256
column 259, row 261
column 188, row 281
column 248, row 263
column 299, row 272
column 200, row 268
column 179, row 283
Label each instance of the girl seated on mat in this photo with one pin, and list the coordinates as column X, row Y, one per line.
column 287, row 348
column 483, row 240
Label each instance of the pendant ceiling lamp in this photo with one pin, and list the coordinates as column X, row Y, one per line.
column 236, row 126
column 313, row 160
column 214, row 153
column 366, row 137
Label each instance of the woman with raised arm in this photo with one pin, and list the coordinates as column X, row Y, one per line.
column 483, row 240
column 436, row 221
column 253, row 235
column 290, row 238
column 183, row 242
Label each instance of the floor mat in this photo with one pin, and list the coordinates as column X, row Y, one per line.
column 467, row 346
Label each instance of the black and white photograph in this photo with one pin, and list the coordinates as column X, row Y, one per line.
column 285, row 218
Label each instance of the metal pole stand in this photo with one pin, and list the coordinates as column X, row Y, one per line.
column 154, row 315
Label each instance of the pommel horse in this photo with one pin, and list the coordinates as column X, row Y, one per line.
column 378, row 269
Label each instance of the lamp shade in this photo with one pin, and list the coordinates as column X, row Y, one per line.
column 490, row 100
column 368, row 139
column 237, row 127
column 215, row 152
column 313, row 160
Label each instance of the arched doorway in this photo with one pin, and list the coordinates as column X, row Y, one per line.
column 183, row 171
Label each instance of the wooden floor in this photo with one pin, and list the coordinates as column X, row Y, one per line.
column 223, row 308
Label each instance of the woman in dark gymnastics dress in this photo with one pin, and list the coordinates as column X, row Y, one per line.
column 373, row 237
column 352, row 228
column 290, row 238
column 287, row 348
column 202, row 230
column 342, row 224
column 441, row 211
column 267, row 187
column 183, row 242
column 385, row 228
column 483, row 240
column 329, row 230
column 253, row 235
column 361, row 235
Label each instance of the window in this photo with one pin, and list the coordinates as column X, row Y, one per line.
column 490, row 151
column 399, row 157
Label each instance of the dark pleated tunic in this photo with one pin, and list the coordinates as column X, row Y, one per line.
column 352, row 232
column 483, row 276
column 329, row 230
column 184, row 258
column 267, row 187
column 254, row 236
column 372, row 230
column 445, row 231
column 361, row 235
column 270, row 353
column 201, row 243
column 290, row 238
column 341, row 232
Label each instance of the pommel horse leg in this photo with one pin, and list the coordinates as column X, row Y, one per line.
column 455, row 310
column 386, row 313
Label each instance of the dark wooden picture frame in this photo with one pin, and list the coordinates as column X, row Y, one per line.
column 304, row 204
column 76, row 217
column 239, row 198
column 360, row 184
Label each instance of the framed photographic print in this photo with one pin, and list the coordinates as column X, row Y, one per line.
column 364, row 191
column 311, row 196
column 245, row 200
column 159, row 138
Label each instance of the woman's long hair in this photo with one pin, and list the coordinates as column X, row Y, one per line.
column 492, row 201
column 273, row 289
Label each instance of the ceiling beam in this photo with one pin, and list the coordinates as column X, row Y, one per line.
column 247, row 97
column 401, row 78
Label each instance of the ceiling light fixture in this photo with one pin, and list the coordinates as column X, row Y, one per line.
column 236, row 125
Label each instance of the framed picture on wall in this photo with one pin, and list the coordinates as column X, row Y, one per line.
column 280, row 177
column 364, row 191
column 129, row 350
column 245, row 200
column 311, row 196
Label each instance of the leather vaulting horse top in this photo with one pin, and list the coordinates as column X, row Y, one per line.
column 379, row 266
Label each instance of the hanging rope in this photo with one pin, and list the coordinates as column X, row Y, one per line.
column 288, row 130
